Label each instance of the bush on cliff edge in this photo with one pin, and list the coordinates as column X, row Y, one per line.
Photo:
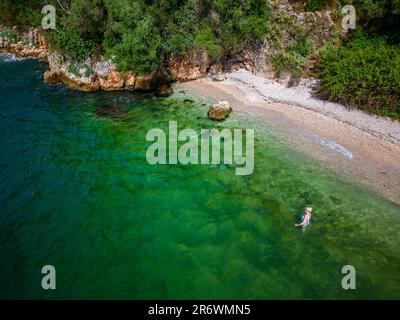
column 363, row 73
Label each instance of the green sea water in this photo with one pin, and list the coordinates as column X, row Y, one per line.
column 76, row 192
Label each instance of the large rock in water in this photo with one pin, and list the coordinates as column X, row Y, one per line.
column 220, row 111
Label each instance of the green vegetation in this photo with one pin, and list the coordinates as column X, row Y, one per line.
column 292, row 54
column 315, row 5
column 9, row 34
column 139, row 34
column 363, row 69
column 205, row 39
column 22, row 13
column 364, row 73
column 75, row 68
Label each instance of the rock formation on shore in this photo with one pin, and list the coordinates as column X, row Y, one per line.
column 101, row 75
column 90, row 75
column 29, row 44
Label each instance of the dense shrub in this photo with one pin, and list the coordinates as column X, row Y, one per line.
column 71, row 42
column 138, row 34
column 291, row 55
column 315, row 5
column 205, row 39
column 363, row 73
column 20, row 12
column 379, row 16
column 132, row 38
column 289, row 61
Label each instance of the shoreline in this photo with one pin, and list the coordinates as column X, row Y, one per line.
column 360, row 147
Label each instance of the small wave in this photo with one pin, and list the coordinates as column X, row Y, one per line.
column 8, row 57
column 337, row 147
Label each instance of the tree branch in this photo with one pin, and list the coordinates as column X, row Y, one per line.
column 62, row 7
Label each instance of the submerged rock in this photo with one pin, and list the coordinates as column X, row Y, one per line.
column 188, row 101
column 220, row 111
column 112, row 112
column 164, row 91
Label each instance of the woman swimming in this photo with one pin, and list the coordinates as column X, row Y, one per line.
column 306, row 218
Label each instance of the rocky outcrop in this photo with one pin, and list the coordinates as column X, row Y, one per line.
column 192, row 66
column 287, row 19
column 60, row 71
column 256, row 57
column 220, row 111
column 53, row 77
column 101, row 75
column 90, row 75
column 252, row 57
column 216, row 73
column 129, row 80
column 25, row 45
column 113, row 80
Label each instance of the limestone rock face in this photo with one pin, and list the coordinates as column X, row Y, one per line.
column 143, row 83
column 285, row 78
column 130, row 80
column 152, row 81
column 114, row 80
column 220, row 111
column 54, row 76
column 59, row 72
column 90, row 75
column 29, row 44
column 216, row 72
column 191, row 67
column 101, row 75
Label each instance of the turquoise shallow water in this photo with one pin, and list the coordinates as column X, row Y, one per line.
column 77, row 192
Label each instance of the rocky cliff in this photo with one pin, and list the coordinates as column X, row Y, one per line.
column 256, row 57
column 90, row 75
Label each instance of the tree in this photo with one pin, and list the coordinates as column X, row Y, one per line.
column 132, row 38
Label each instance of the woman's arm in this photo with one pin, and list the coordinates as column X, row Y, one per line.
column 305, row 220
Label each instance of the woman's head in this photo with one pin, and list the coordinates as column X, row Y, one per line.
column 308, row 210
